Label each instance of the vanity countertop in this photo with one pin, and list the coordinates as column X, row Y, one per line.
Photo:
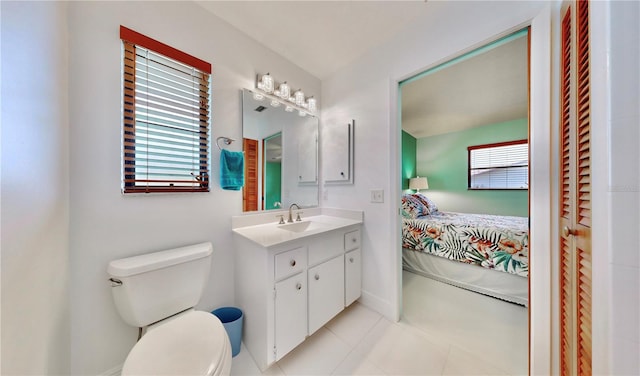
column 272, row 233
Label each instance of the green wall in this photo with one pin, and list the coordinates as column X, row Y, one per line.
column 443, row 160
column 272, row 184
column 408, row 158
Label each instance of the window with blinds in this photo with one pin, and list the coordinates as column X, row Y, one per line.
column 499, row 166
column 165, row 117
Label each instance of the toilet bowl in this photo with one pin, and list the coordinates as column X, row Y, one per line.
column 157, row 291
column 193, row 344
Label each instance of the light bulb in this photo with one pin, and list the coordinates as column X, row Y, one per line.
column 267, row 83
column 258, row 96
column 298, row 98
column 311, row 104
column 285, row 90
column 288, row 109
column 275, row 103
column 302, row 113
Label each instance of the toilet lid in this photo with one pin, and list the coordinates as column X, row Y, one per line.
column 192, row 344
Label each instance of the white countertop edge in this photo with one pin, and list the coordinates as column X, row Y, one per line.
column 266, row 234
column 271, row 216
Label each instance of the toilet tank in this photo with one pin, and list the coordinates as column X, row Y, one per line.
column 157, row 285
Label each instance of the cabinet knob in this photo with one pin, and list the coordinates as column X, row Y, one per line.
column 351, row 259
column 317, row 277
column 353, row 240
column 299, row 286
column 292, row 262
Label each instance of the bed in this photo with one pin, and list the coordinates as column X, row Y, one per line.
column 483, row 253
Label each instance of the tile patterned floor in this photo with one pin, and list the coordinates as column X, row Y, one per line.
column 444, row 330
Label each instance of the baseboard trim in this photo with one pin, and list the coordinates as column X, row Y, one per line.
column 377, row 304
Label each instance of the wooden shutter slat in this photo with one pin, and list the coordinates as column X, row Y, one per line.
column 171, row 120
column 173, row 96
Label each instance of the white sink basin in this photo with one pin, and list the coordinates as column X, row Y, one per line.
column 302, row 226
column 269, row 233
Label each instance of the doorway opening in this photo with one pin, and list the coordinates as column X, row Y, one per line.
column 465, row 239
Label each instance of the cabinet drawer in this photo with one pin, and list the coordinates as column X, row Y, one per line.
column 290, row 262
column 352, row 240
column 325, row 248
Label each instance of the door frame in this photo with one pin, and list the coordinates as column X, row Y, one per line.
column 541, row 190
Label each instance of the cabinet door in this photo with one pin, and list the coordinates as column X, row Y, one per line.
column 326, row 292
column 290, row 314
column 352, row 276
column 338, row 158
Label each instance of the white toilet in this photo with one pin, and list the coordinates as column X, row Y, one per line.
column 158, row 291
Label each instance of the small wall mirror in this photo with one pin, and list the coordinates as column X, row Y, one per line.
column 281, row 156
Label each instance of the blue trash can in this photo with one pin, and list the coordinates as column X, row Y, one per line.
column 231, row 318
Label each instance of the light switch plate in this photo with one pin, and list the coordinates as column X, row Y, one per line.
column 377, row 195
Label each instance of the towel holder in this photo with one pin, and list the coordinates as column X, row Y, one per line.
column 226, row 140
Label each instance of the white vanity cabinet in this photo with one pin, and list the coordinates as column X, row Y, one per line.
column 288, row 291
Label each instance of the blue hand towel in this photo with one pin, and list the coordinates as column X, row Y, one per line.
column 231, row 170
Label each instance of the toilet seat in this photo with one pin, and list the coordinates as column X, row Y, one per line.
column 195, row 343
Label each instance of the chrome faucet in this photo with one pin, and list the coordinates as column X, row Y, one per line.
column 290, row 217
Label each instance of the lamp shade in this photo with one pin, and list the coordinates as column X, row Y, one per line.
column 418, row 183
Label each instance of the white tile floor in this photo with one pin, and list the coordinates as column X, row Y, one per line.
column 444, row 330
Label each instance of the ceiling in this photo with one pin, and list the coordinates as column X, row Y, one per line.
column 324, row 36
column 319, row 36
column 488, row 88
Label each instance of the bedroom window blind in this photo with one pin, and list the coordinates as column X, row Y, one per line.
column 499, row 166
column 165, row 117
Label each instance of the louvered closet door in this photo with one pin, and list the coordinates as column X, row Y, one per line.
column 575, row 194
column 250, row 189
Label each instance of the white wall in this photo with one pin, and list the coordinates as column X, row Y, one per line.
column 35, row 196
column 624, row 186
column 106, row 225
column 366, row 91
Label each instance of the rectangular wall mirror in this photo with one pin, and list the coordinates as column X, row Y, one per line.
column 281, row 155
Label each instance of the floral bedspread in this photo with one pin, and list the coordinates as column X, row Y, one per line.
column 490, row 241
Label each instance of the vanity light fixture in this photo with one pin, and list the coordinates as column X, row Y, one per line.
column 266, row 88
